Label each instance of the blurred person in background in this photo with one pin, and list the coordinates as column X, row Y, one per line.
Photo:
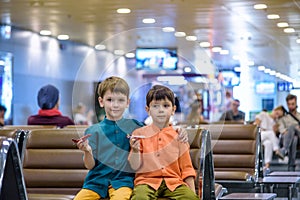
column 268, row 125
column 81, row 116
column 234, row 114
column 2, row 113
column 290, row 131
column 49, row 114
column 195, row 116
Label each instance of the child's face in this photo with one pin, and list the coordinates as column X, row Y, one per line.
column 114, row 105
column 161, row 111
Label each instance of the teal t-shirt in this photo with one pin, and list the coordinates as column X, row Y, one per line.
column 110, row 147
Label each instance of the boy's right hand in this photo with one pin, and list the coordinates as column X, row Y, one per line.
column 135, row 144
column 83, row 144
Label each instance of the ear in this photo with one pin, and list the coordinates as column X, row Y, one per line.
column 128, row 102
column 173, row 111
column 100, row 100
column 147, row 110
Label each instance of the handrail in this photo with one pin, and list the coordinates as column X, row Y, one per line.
column 207, row 167
column 259, row 157
column 12, row 185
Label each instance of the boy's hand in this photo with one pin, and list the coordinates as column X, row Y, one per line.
column 83, row 143
column 182, row 134
column 135, row 144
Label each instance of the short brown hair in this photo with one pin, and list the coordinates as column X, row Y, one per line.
column 290, row 97
column 113, row 84
column 160, row 92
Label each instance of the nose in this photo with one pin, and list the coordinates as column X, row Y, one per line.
column 114, row 103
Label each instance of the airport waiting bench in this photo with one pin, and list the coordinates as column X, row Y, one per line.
column 12, row 186
column 53, row 166
column 237, row 156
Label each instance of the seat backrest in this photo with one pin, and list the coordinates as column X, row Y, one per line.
column 236, row 150
column 8, row 132
column 18, row 135
column 52, row 164
column 29, row 127
column 201, row 155
column 11, row 179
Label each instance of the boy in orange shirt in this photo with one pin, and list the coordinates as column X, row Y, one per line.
column 162, row 163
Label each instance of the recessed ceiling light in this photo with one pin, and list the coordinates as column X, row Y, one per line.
column 267, row 70
column 278, row 74
column 123, row 10
column 129, row 55
column 180, row 34
column 148, row 21
column 289, row 30
column 191, row 38
column 100, row 47
column 63, row 37
column 273, row 16
column 45, row 32
column 224, row 52
column 168, row 29
column 282, row 24
column 261, row 68
column 119, row 52
column 272, row 72
column 204, row 44
column 260, row 6
column 187, row 69
column 298, row 40
column 216, row 49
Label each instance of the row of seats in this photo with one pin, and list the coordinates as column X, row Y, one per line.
column 53, row 166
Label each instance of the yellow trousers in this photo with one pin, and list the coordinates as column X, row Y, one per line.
column 122, row 193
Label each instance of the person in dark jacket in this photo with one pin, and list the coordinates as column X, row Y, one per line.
column 2, row 112
column 49, row 114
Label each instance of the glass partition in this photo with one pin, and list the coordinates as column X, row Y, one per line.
column 6, row 84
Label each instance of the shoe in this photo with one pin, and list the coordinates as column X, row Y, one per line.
column 280, row 153
column 266, row 171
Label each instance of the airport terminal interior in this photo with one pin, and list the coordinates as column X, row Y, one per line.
column 233, row 66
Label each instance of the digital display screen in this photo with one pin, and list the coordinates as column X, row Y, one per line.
column 156, row 58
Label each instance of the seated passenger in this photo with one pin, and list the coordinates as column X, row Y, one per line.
column 234, row 114
column 2, row 112
column 162, row 163
column 48, row 101
column 267, row 123
column 195, row 116
column 81, row 116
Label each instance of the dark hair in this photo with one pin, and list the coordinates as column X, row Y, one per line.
column 290, row 97
column 159, row 92
column 3, row 108
column 236, row 100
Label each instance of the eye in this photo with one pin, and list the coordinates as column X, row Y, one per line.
column 167, row 105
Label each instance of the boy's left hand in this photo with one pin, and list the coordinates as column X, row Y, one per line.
column 182, row 134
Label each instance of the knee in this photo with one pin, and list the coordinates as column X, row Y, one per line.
column 191, row 196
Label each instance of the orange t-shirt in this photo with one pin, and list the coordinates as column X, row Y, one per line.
column 163, row 157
